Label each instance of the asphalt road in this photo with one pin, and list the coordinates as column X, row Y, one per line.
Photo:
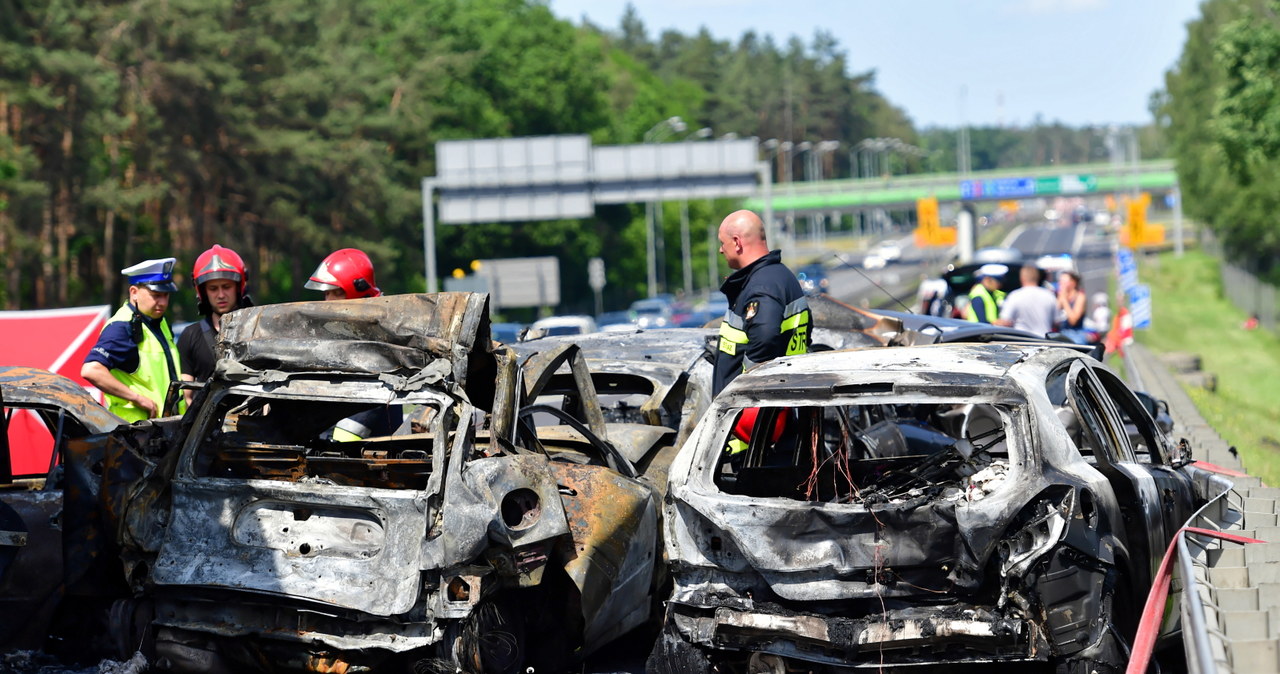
column 1088, row 245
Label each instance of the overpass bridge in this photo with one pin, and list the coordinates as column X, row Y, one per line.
column 828, row 196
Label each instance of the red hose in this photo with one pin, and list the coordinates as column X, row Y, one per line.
column 1213, row 468
column 1144, row 642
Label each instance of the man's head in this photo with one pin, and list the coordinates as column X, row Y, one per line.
column 742, row 239
column 219, row 276
column 345, row 274
column 1030, row 275
column 150, row 283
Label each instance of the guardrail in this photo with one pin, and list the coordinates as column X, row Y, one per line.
column 1204, row 645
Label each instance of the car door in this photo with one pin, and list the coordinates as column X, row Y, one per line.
column 41, row 414
column 1104, row 435
column 1152, row 449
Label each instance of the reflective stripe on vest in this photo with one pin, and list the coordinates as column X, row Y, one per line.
column 151, row 379
column 350, row 430
column 795, row 319
column 990, row 303
column 732, row 333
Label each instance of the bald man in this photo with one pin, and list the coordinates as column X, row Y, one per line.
column 768, row 315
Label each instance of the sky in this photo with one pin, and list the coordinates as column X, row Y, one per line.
column 953, row 62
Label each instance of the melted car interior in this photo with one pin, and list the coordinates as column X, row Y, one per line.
column 257, row 437
column 861, row 453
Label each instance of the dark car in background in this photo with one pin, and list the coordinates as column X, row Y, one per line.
column 813, row 279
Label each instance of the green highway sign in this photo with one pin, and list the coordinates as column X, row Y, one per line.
column 1067, row 184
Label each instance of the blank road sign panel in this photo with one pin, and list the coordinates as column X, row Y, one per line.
column 515, row 205
column 523, row 281
column 497, row 162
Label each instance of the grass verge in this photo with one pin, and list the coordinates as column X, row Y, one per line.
column 1190, row 313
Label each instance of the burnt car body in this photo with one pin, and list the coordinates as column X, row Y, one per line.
column 916, row 506
column 651, row 377
column 459, row 536
column 54, row 413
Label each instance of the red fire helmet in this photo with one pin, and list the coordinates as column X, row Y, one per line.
column 348, row 269
column 218, row 263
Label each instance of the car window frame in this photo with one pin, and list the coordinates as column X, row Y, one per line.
column 1125, row 402
column 1086, row 396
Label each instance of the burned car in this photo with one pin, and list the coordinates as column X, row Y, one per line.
column 43, row 414
column 915, row 506
column 450, row 534
column 655, row 378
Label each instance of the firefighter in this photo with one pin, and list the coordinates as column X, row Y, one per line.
column 768, row 315
column 345, row 274
column 219, row 277
column 348, row 274
column 135, row 359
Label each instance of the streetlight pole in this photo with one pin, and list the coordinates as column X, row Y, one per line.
column 685, row 259
column 654, row 135
column 804, row 147
column 825, row 147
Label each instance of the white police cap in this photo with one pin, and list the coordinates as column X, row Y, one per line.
column 991, row 270
column 154, row 274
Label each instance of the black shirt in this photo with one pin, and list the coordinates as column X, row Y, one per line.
column 195, row 349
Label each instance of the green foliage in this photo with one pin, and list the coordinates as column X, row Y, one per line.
column 1189, row 311
column 1221, row 115
column 1040, row 144
column 288, row 128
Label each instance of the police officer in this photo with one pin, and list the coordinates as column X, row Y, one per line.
column 219, row 277
column 135, row 358
column 768, row 315
column 986, row 297
column 348, row 274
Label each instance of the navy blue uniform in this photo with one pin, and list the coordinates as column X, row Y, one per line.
column 768, row 317
column 117, row 350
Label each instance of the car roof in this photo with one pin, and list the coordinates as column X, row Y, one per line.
column 955, row 365
column 676, row 346
column 33, row 387
column 553, row 321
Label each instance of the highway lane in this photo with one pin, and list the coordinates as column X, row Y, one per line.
column 1088, row 244
column 852, row 284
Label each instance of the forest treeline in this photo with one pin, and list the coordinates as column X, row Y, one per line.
column 288, row 128
column 1221, row 113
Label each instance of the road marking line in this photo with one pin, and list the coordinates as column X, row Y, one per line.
column 1075, row 245
column 1013, row 236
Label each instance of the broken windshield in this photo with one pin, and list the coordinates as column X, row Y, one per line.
column 249, row 434
column 867, row 453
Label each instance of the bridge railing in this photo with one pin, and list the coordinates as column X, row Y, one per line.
column 918, row 179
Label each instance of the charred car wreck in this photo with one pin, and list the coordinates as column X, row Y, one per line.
column 934, row 504
column 456, row 533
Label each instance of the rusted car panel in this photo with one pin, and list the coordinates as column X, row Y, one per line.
column 922, row 505
column 31, row 507
column 456, row 533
